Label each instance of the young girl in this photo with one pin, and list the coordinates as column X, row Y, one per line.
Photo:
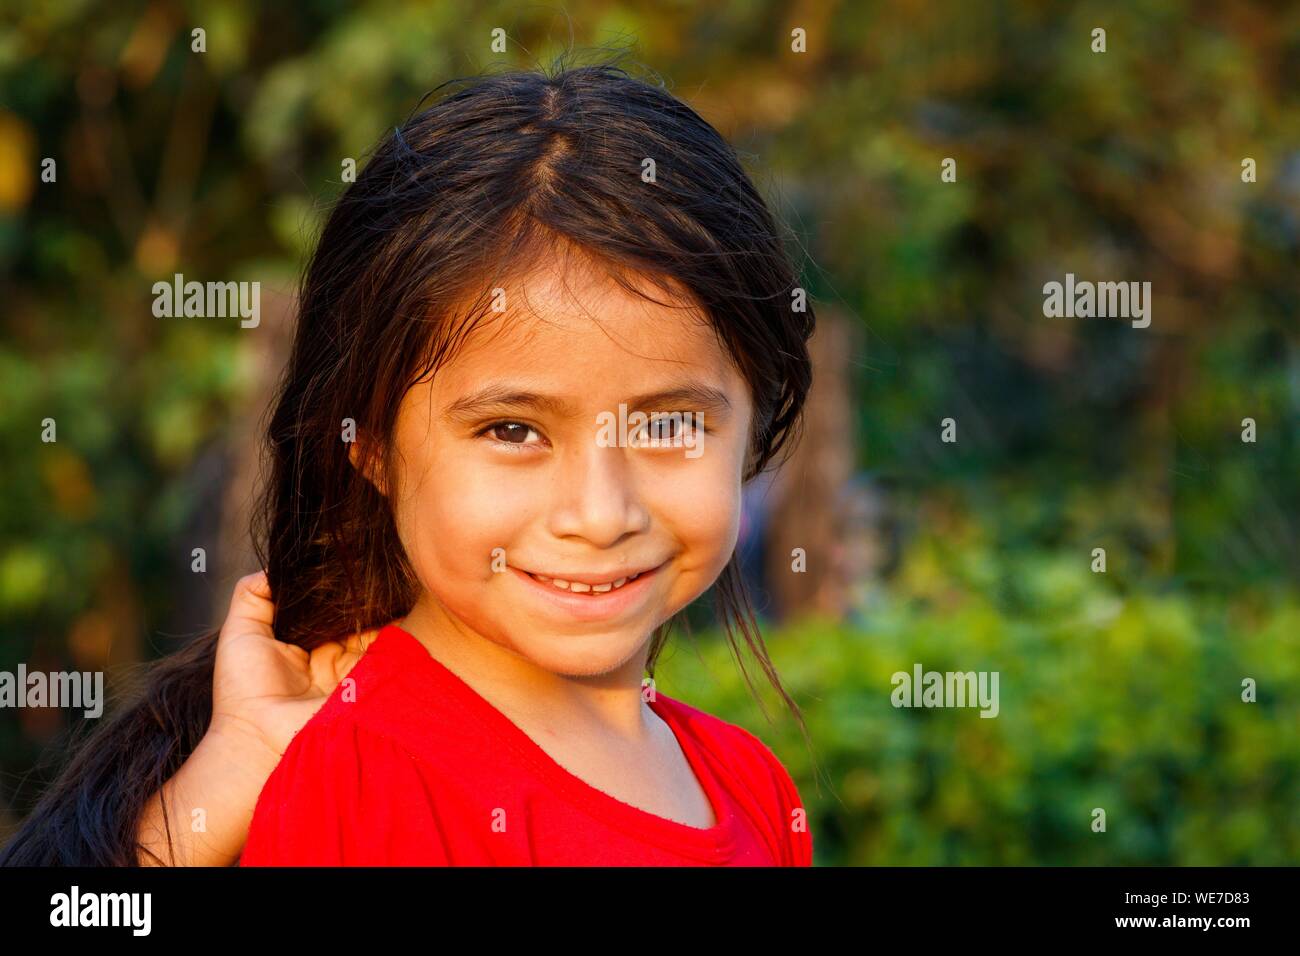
column 545, row 338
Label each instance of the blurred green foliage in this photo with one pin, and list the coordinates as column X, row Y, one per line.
column 1128, row 700
column 1120, row 690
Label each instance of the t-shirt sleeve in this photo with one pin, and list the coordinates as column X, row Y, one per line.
column 795, row 815
column 790, row 813
column 343, row 795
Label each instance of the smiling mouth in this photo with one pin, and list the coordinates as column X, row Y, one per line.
column 582, row 587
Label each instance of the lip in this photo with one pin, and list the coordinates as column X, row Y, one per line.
column 591, row 607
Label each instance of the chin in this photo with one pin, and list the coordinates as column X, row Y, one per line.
column 588, row 655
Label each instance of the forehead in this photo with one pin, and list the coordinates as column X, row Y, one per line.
column 569, row 326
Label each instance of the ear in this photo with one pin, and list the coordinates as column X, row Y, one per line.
column 363, row 458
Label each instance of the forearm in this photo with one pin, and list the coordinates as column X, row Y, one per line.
column 209, row 803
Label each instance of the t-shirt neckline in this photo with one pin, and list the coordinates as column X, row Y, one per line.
column 429, row 675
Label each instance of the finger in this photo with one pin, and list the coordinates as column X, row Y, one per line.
column 368, row 638
column 352, row 651
column 324, row 667
column 359, row 642
column 251, row 601
column 257, row 584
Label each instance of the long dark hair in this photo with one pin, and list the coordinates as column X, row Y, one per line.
column 501, row 169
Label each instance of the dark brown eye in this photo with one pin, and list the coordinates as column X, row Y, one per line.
column 664, row 429
column 512, row 433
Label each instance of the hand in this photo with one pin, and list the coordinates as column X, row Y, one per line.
column 264, row 690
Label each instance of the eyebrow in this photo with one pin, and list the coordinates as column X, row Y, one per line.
column 693, row 396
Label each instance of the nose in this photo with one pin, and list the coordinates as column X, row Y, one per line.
column 596, row 495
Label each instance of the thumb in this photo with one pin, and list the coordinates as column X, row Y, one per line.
column 251, row 603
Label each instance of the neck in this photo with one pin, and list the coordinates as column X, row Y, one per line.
column 528, row 694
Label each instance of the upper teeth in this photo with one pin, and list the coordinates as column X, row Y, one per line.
column 580, row 588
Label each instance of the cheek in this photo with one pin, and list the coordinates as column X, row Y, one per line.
column 706, row 513
column 703, row 508
column 451, row 516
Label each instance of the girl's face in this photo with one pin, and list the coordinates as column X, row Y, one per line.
column 513, row 463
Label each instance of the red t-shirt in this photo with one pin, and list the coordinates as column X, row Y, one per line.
column 419, row 769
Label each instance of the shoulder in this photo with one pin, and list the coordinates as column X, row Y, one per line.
column 354, row 742
column 337, row 761
column 351, row 742
column 736, row 748
column 731, row 742
column 755, row 770
column 342, row 792
column 372, row 706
